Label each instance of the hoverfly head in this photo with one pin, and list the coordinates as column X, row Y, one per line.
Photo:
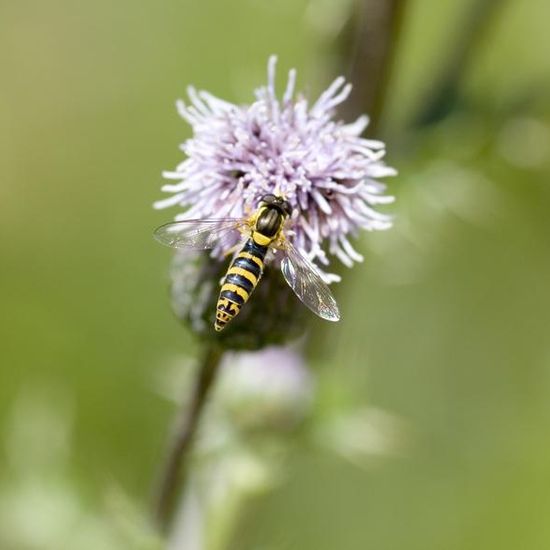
column 278, row 202
column 268, row 200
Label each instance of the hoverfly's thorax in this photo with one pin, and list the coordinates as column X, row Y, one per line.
column 269, row 221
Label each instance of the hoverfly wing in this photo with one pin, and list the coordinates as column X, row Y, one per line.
column 305, row 280
column 200, row 234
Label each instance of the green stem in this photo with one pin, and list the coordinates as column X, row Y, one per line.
column 172, row 476
column 445, row 89
column 370, row 43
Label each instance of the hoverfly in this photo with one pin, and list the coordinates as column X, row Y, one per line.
column 264, row 230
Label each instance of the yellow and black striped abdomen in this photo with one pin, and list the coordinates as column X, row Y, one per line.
column 240, row 281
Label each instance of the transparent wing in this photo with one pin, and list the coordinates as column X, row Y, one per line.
column 198, row 234
column 304, row 278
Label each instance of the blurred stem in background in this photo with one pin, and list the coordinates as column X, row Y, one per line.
column 173, row 473
column 443, row 97
column 368, row 45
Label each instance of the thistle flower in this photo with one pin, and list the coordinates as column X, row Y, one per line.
column 323, row 167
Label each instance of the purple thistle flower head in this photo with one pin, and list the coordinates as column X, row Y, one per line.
column 285, row 146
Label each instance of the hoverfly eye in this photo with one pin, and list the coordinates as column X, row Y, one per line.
column 287, row 208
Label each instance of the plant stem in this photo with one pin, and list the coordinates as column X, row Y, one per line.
column 369, row 46
column 445, row 88
column 172, row 476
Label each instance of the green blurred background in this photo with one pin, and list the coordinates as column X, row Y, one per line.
column 445, row 324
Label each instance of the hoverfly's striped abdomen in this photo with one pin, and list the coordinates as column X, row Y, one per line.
column 240, row 281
